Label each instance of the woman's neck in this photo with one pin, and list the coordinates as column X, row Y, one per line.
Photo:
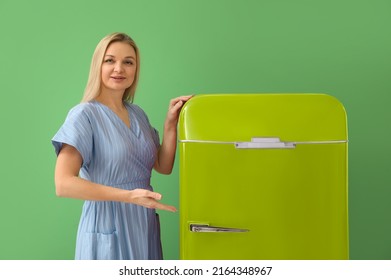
column 112, row 100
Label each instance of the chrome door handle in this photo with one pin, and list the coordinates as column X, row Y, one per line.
column 207, row 228
column 265, row 143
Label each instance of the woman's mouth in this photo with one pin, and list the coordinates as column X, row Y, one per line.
column 118, row 78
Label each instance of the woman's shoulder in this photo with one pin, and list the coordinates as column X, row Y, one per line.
column 85, row 109
column 136, row 108
column 139, row 112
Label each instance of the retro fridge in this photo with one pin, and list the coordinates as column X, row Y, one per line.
column 263, row 176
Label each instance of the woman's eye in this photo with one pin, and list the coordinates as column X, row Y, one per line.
column 129, row 62
column 109, row 60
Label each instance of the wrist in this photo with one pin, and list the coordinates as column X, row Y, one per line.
column 170, row 127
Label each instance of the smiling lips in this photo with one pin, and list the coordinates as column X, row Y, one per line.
column 118, row 78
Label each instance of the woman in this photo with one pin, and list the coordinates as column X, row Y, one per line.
column 106, row 150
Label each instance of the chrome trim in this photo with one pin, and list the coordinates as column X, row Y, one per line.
column 207, row 228
column 290, row 142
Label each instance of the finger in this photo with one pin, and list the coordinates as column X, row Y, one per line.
column 153, row 204
column 174, row 109
column 154, row 195
column 173, row 102
column 183, row 98
column 165, row 207
column 140, row 193
column 177, row 106
column 187, row 97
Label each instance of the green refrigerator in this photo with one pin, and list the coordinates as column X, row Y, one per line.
column 263, row 176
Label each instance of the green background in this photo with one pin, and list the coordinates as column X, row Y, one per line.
column 339, row 47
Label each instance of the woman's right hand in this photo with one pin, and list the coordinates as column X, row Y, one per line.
column 149, row 199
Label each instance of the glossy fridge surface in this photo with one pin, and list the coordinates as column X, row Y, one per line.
column 291, row 203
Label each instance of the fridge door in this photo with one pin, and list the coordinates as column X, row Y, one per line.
column 263, row 176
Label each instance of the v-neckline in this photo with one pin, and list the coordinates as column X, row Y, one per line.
column 116, row 115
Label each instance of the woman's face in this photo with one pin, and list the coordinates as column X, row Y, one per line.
column 118, row 67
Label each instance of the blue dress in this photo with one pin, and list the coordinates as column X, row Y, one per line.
column 118, row 156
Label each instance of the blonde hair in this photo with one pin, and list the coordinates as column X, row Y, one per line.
column 92, row 89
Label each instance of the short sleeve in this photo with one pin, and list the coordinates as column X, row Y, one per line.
column 77, row 132
column 156, row 138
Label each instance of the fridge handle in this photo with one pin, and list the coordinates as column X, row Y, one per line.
column 207, row 228
column 265, row 143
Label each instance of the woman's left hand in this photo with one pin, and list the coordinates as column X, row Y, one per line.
column 166, row 154
column 174, row 109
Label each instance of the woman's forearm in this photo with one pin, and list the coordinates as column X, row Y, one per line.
column 166, row 153
column 79, row 188
column 69, row 184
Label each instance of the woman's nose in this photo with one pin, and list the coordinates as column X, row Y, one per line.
column 118, row 68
